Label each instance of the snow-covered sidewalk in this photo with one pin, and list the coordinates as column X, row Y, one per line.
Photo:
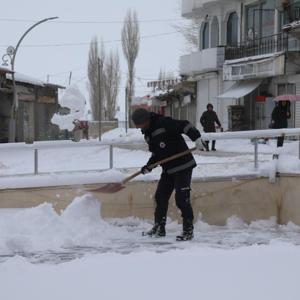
column 90, row 164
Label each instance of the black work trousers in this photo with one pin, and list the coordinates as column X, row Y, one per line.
column 181, row 182
column 280, row 141
column 213, row 145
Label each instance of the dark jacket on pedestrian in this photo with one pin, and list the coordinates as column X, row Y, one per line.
column 164, row 138
column 280, row 116
column 208, row 121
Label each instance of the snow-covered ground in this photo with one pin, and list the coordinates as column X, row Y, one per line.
column 78, row 255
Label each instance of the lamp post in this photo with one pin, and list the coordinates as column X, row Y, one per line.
column 11, row 53
column 100, row 70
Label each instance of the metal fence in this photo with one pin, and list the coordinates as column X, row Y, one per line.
column 265, row 45
column 254, row 136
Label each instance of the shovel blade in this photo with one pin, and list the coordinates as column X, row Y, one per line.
column 109, row 188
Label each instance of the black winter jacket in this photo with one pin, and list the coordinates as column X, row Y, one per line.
column 208, row 120
column 164, row 138
column 280, row 116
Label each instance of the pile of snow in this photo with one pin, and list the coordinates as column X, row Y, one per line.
column 119, row 135
column 75, row 101
column 41, row 228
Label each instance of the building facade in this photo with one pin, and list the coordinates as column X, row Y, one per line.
column 38, row 102
column 248, row 54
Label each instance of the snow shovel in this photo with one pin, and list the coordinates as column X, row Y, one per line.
column 111, row 188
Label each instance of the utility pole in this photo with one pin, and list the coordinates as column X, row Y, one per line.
column 100, row 98
column 126, row 109
column 70, row 78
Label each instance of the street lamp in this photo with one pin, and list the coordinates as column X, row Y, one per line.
column 11, row 53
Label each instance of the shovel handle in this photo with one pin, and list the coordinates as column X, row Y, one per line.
column 163, row 161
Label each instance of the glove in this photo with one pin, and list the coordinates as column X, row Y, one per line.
column 200, row 144
column 145, row 170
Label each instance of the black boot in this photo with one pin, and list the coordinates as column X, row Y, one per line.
column 158, row 230
column 213, row 147
column 188, row 231
column 207, row 146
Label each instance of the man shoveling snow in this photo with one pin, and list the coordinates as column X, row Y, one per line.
column 164, row 138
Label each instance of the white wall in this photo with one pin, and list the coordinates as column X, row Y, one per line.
column 207, row 92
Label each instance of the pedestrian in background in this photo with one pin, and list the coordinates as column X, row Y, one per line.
column 280, row 115
column 208, row 120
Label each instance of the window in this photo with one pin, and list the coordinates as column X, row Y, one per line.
column 205, row 36
column 286, row 89
column 260, row 20
column 290, row 12
column 214, row 40
column 232, row 29
column 268, row 18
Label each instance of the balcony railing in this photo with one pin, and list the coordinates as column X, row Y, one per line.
column 266, row 45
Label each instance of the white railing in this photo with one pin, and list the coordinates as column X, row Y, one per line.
column 254, row 135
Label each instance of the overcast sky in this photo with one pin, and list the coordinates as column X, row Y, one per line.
column 155, row 53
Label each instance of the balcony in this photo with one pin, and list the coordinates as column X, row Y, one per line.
column 202, row 61
column 266, row 45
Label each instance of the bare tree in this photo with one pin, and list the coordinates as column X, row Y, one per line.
column 112, row 83
column 96, row 78
column 163, row 76
column 130, row 45
column 191, row 32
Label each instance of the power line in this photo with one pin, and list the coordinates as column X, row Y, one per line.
column 88, row 43
column 88, row 22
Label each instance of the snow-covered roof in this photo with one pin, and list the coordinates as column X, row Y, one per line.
column 4, row 70
column 19, row 77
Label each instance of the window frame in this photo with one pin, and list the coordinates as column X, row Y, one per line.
column 205, row 40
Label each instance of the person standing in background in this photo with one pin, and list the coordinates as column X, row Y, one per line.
column 208, row 120
column 280, row 115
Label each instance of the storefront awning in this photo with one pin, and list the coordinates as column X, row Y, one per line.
column 240, row 89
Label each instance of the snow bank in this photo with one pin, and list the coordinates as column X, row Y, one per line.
column 41, row 228
column 119, row 135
